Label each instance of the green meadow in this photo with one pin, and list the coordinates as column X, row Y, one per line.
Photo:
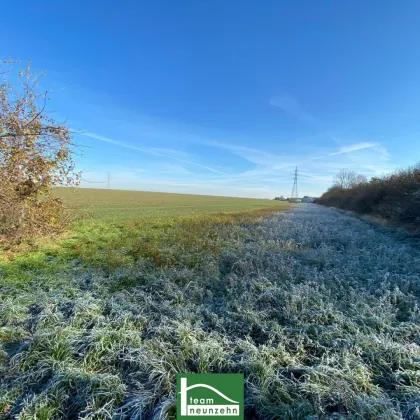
column 132, row 206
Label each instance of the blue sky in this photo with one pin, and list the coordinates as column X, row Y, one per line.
column 227, row 97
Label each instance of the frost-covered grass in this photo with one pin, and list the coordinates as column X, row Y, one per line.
column 318, row 309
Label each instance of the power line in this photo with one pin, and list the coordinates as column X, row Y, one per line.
column 108, row 181
column 92, row 182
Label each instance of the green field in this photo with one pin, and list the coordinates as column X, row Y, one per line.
column 318, row 309
column 125, row 206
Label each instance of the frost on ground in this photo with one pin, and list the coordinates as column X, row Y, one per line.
column 318, row 309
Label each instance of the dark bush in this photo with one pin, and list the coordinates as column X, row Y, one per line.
column 395, row 196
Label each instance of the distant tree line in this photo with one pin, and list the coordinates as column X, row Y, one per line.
column 395, row 196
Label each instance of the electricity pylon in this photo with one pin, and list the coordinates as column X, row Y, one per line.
column 295, row 194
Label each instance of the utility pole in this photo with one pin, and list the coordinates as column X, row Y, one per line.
column 109, row 180
column 295, row 194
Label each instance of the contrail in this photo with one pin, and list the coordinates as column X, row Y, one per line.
column 353, row 148
column 150, row 152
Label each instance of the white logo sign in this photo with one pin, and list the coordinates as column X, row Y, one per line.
column 205, row 406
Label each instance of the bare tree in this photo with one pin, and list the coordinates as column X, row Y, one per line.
column 35, row 155
column 348, row 178
column 360, row 179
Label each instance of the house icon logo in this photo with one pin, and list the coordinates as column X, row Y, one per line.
column 210, row 395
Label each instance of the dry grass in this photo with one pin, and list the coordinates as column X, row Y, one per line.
column 114, row 219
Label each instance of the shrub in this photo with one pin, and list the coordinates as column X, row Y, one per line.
column 35, row 156
column 395, row 196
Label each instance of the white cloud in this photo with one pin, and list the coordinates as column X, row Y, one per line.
column 261, row 173
column 350, row 149
column 291, row 106
column 180, row 154
column 150, row 151
column 353, row 148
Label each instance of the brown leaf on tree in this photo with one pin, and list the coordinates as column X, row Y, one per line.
column 36, row 154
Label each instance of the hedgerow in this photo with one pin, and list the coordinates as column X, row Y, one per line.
column 395, row 196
